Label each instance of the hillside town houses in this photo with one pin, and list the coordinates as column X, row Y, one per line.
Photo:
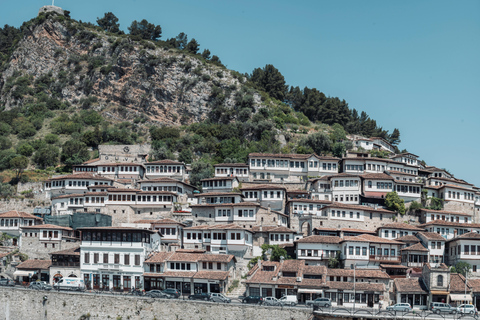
column 121, row 221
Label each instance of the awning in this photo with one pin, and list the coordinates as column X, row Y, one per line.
column 318, row 291
column 438, row 292
column 460, row 297
column 21, row 273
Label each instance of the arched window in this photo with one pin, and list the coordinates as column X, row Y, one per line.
column 440, row 281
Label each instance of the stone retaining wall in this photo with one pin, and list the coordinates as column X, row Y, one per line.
column 29, row 304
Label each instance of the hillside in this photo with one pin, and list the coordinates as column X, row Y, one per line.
column 66, row 86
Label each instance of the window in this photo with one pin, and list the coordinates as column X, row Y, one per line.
column 440, row 281
column 137, row 259
column 126, row 259
column 357, row 251
column 117, row 258
column 105, row 258
column 95, row 258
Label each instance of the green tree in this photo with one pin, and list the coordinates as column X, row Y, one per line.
column 461, row 267
column 145, row 30
column 5, row 143
column 51, row 138
column 192, row 46
column 436, row 203
column 25, row 149
column 338, row 133
column 394, row 202
column 185, row 156
column 6, row 190
column 319, row 142
column 46, row 156
column 270, row 80
column 394, row 138
column 415, row 206
column 276, row 252
column 334, row 262
column 181, row 41
column 200, row 170
column 74, row 152
column 206, row 54
column 338, row 149
column 19, row 164
column 109, row 23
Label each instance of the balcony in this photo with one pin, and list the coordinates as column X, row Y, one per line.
column 381, row 258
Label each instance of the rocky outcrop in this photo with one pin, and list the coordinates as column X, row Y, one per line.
column 127, row 77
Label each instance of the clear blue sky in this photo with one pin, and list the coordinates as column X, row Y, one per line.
column 412, row 65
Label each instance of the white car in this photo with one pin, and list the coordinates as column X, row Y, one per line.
column 271, row 301
column 467, row 309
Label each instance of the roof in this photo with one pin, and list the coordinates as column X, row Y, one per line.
column 310, row 201
column 231, row 165
column 18, row 214
column 416, row 247
column 452, row 224
column 410, row 285
column 166, row 161
column 159, row 257
column 211, row 275
column 320, row 239
column 359, row 286
column 400, row 225
column 337, row 205
column 474, row 284
column 159, row 221
column 291, row 156
column 165, row 179
column 445, row 212
column 359, row 273
column 467, row 236
column 376, row 176
column 457, row 283
column 431, row 236
column 215, row 194
column 272, row 229
column 82, row 175
column 393, row 266
column 69, row 252
column 35, row 264
column 409, row 238
column 47, row 226
column 370, row 238
column 115, row 229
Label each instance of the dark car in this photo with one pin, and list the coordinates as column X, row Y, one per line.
column 199, row 296
column 172, row 293
column 155, row 294
column 253, row 299
column 40, row 285
column 7, row 282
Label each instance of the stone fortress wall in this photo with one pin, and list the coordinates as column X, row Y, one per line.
column 16, row 303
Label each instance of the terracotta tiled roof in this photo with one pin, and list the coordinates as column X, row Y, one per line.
column 431, row 236
column 376, row 176
column 72, row 195
column 357, row 231
column 166, row 161
column 231, row 165
column 159, row 221
column 409, row 238
column 467, row 236
column 359, row 273
column 320, row 239
column 18, row 214
column 196, row 257
column 474, row 284
column 416, row 247
column 344, row 175
column 410, row 285
column 123, row 190
column 292, row 265
column 370, row 238
column 159, row 257
column 393, row 266
column 82, row 176
column 69, row 252
column 35, row 264
column 457, row 283
column 47, row 226
column 445, row 212
column 165, row 179
column 272, row 229
column 314, row 270
column 178, row 274
column 456, row 187
column 211, row 275
column 400, row 225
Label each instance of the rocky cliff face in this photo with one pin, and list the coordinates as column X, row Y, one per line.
column 127, row 77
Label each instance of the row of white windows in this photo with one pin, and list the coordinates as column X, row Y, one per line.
column 348, row 183
column 348, row 198
column 241, row 213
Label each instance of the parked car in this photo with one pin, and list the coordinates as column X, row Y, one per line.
column 289, row 300
column 404, row 307
column 252, row 299
column 218, row 297
column 7, row 282
column 40, row 285
column 271, row 301
column 440, row 307
column 320, row 303
column 156, row 294
column 467, row 309
column 72, row 284
column 199, row 296
column 172, row 293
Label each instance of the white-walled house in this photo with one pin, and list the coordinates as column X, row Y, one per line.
column 218, row 197
column 239, row 170
column 317, row 250
column 226, row 239
column 449, row 230
column 170, row 230
column 166, row 184
column 396, row 230
column 113, row 257
column 73, row 184
column 165, row 169
column 464, row 248
column 367, row 250
column 11, row 222
column 435, row 244
column 220, row 184
column 428, row 215
column 267, row 195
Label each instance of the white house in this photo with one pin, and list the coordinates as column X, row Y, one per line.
column 165, row 169
column 113, row 257
column 317, row 250
column 464, row 248
column 239, row 170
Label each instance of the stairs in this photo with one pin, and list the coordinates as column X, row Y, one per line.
column 241, row 270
